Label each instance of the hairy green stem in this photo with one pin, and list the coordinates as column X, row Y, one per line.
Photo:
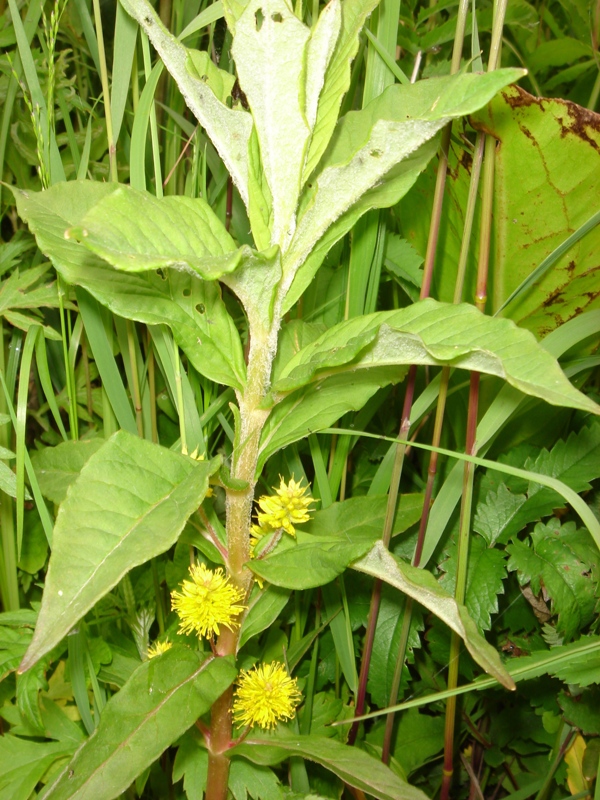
column 239, row 510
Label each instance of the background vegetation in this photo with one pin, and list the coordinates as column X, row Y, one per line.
column 532, row 580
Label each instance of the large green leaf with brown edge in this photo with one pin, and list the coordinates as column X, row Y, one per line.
column 162, row 699
column 546, row 171
column 128, row 504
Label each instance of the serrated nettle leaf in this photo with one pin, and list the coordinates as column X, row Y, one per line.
column 332, row 539
column 337, row 77
column 229, row 129
column 429, row 332
column 422, row 587
column 567, row 580
column 269, row 51
column 129, row 503
column 319, row 405
column 367, row 144
column 135, row 231
column 161, row 700
column 192, row 308
column 353, row 765
column 318, row 56
column 485, row 576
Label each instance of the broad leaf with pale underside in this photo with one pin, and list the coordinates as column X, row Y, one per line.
column 192, row 308
column 128, row 504
column 229, row 129
column 422, row 587
column 269, row 52
column 368, row 144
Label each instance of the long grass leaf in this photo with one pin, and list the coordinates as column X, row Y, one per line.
column 573, row 499
column 22, row 398
column 112, row 382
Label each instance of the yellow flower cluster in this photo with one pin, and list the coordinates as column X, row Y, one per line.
column 158, row 648
column 265, row 695
column 206, row 602
column 281, row 511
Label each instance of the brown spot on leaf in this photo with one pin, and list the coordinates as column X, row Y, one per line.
column 519, row 98
column 580, row 121
column 555, row 297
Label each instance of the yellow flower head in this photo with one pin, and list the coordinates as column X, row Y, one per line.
column 206, row 602
column 158, row 648
column 265, row 694
column 285, row 509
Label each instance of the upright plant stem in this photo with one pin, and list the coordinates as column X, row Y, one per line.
column 411, row 378
column 263, row 345
column 112, row 147
column 436, row 438
column 471, row 443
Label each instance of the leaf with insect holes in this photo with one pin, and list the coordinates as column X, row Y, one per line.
column 269, row 51
column 194, row 309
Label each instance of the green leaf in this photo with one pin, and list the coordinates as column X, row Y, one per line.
column 161, row 700
column 337, row 77
column 429, row 332
column 422, row 587
column 191, row 764
column 554, row 563
column 269, row 51
column 57, row 467
column 8, row 481
column 129, row 504
column 485, row 576
column 23, row 763
column 203, row 68
column 321, row 46
column 385, row 645
column 135, row 231
column 249, row 780
column 533, row 191
column 192, row 308
column 319, row 405
column 368, row 144
column 581, row 710
column 417, row 739
column 385, row 194
column 264, row 607
column 352, row 765
column 493, row 517
column 229, row 129
column 575, row 461
column 332, row 539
